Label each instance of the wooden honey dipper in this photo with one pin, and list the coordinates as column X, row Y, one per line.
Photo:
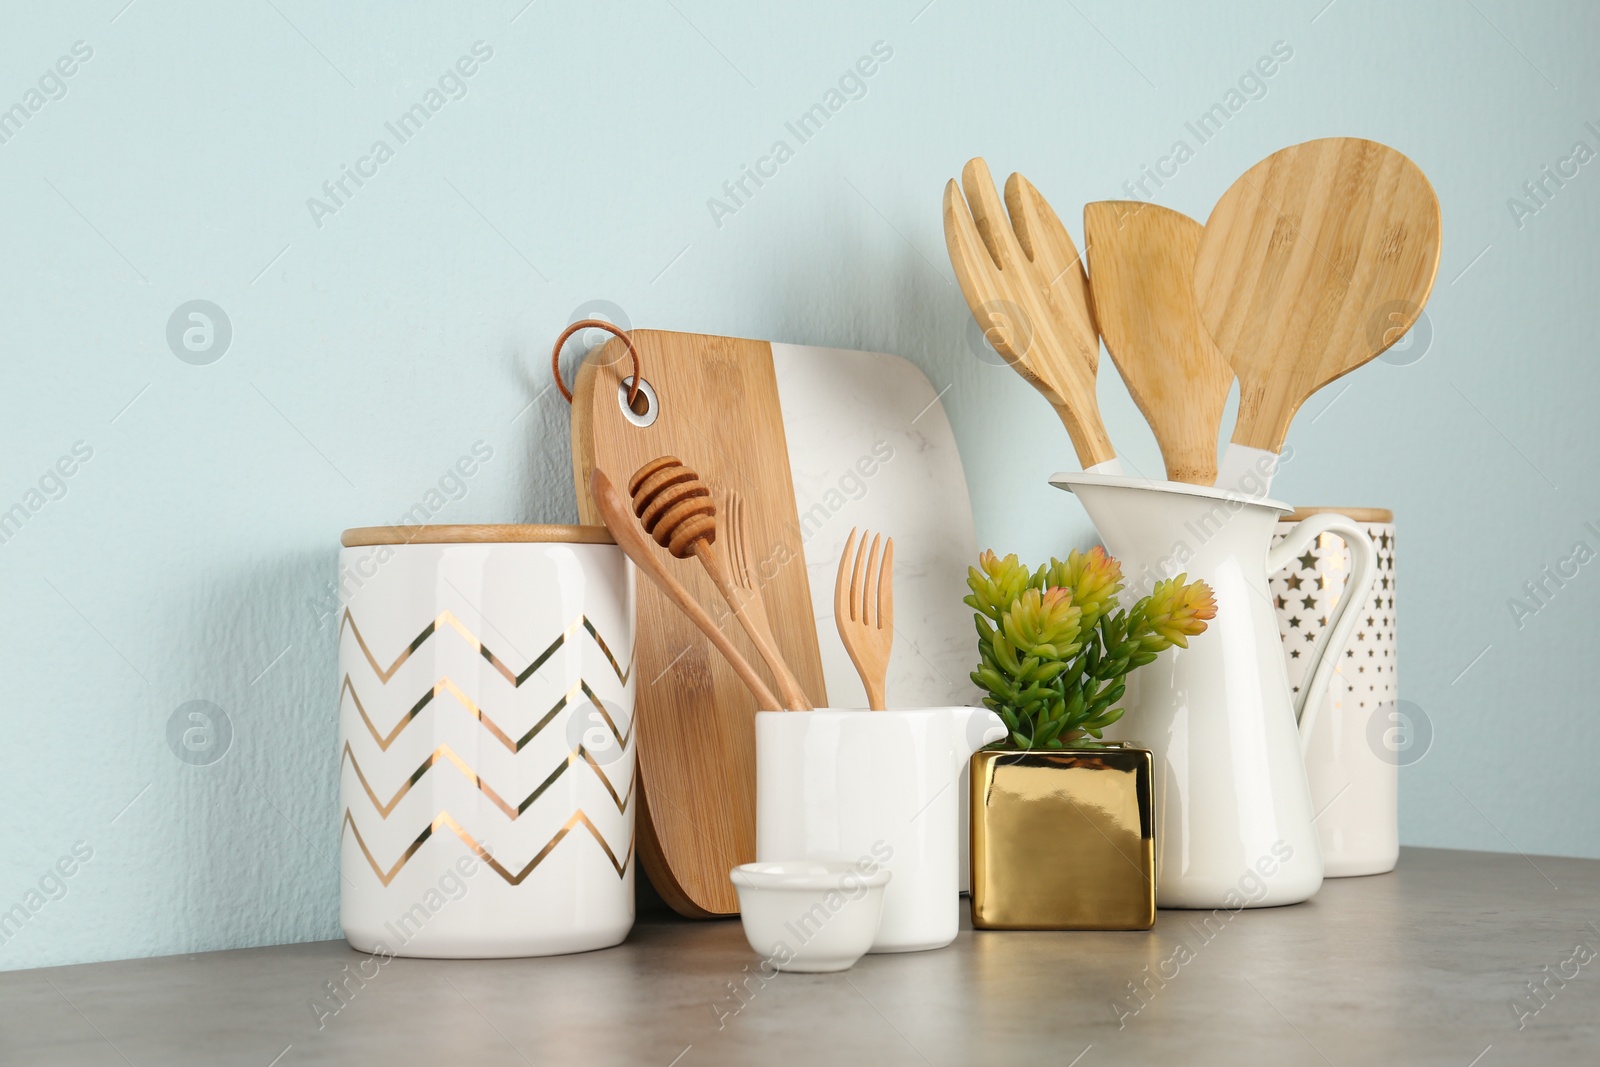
column 675, row 508
column 620, row 520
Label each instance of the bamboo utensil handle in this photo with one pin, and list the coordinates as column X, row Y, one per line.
column 614, row 512
column 676, row 509
column 744, row 579
column 794, row 698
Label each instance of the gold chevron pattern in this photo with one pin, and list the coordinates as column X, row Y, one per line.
column 448, row 619
column 444, row 820
column 445, row 754
column 445, row 685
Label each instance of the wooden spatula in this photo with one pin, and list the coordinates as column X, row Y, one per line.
column 1025, row 286
column 1141, row 271
column 1316, row 260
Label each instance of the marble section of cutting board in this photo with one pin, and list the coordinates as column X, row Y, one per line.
column 870, row 446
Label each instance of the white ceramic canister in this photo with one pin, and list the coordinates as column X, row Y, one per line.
column 486, row 773
column 1352, row 769
column 875, row 786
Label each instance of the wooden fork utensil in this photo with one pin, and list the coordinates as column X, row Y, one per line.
column 863, row 609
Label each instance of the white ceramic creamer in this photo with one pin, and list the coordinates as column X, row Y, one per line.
column 884, row 786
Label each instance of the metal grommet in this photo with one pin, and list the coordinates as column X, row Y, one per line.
column 634, row 393
column 601, row 324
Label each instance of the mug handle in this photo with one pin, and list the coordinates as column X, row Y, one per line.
column 1363, row 569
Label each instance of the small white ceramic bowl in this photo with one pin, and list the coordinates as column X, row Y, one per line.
column 810, row 916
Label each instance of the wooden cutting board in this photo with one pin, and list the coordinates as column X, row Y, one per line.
column 869, row 445
column 716, row 408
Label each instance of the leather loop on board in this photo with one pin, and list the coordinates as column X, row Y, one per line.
column 600, row 324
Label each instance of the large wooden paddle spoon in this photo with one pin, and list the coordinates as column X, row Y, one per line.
column 1025, row 286
column 1141, row 274
column 1314, row 262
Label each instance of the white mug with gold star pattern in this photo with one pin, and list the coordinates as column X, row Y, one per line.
column 1354, row 782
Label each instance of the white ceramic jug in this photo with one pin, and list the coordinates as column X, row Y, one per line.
column 874, row 786
column 1234, row 820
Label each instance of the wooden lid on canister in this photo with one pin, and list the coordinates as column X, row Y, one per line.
column 475, row 534
column 1354, row 514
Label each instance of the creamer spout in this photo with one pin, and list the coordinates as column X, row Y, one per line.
column 980, row 727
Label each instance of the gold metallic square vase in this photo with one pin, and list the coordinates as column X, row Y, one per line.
column 1063, row 840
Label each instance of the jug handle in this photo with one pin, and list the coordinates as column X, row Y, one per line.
column 1363, row 569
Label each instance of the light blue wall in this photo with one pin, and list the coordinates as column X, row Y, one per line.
column 372, row 350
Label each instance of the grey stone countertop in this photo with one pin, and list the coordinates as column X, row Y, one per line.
column 1431, row 964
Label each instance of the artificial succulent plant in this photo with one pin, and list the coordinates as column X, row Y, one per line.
column 1055, row 650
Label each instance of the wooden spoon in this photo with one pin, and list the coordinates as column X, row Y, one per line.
column 1316, row 260
column 1141, row 273
column 614, row 512
column 1026, row 287
column 676, row 508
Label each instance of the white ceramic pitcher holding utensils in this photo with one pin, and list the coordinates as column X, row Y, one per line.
column 1236, row 825
column 1313, row 263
